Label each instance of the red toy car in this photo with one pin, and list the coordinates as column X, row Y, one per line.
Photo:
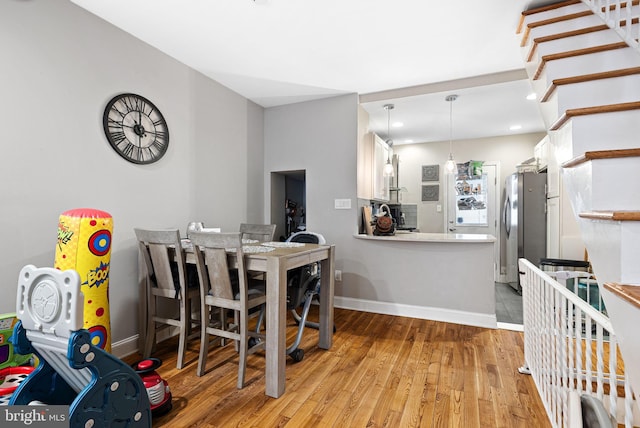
column 157, row 388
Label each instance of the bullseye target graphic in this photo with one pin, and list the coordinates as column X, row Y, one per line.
column 98, row 335
column 100, row 242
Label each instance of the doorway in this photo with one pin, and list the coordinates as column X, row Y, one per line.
column 288, row 202
column 473, row 204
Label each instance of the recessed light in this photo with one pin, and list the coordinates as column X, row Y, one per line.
column 408, row 141
column 515, row 127
column 397, row 124
column 532, row 96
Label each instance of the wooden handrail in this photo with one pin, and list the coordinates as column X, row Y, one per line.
column 577, row 52
column 558, row 36
column 630, row 293
column 601, row 154
column 611, row 215
column 588, row 78
column 584, row 111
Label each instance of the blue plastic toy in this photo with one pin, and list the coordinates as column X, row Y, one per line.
column 100, row 389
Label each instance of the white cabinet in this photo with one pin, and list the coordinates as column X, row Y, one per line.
column 365, row 167
column 381, row 184
column 541, row 153
column 553, row 172
column 553, row 227
column 373, row 153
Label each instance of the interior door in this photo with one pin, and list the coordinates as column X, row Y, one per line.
column 472, row 204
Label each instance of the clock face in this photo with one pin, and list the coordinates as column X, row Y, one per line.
column 135, row 128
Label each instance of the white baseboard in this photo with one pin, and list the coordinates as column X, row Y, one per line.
column 128, row 346
column 125, row 347
column 422, row 312
column 509, row 326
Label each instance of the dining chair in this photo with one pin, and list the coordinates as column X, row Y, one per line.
column 226, row 289
column 167, row 279
column 261, row 232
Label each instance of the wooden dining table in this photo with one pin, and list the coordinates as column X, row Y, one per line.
column 275, row 264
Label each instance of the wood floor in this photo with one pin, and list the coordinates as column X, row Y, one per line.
column 382, row 371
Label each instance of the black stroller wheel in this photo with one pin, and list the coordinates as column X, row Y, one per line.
column 297, row 355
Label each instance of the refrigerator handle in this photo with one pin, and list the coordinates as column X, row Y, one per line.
column 506, row 216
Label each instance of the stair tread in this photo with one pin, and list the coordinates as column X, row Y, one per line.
column 630, row 293
column 577, row 52
column 600, row 154
column 554, row 20
column 611, row 215
column 550, row 7
column 584, row 111
column 559, row 18
column 566, row 34
column 543, row 9
column 622, row 72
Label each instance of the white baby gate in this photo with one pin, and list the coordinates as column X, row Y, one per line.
column 570, row 349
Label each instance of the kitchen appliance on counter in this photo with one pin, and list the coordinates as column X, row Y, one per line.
column 405, row 216
column 524, row 221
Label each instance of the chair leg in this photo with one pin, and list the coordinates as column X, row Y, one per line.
column 151, row 328
column 238, row 327
column 182, row 343
column 260, row 319
column 205, row 313
column 243, row 344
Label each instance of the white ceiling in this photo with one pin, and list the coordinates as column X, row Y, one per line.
column 277, row 52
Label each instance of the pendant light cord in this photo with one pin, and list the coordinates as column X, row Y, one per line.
column 451, row 99
column 450, row 126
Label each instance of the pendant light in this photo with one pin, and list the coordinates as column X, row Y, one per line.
column 388, row 167
column 450, row 166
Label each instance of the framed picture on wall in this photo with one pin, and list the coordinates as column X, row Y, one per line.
column 430, row 172
column 430, row 193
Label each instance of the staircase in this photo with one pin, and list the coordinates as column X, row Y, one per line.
column 583, row 61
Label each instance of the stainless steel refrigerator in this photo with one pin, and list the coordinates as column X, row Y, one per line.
column 525, row 222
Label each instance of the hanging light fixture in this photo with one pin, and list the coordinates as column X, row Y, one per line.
column 388, row 167
column 450, row 166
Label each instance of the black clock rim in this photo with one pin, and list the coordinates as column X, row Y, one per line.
column 105, row 127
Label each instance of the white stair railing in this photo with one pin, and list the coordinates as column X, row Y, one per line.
column 570, row 348
column 618, row 18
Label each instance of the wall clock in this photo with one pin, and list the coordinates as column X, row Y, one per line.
column 135, row 128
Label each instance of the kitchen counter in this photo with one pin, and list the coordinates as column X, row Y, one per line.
column 437, row 276
column 402, row 236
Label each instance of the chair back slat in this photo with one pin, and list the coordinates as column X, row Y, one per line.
column 161, row 249
column 261, row 232
column 218, row 271
column 212, row 262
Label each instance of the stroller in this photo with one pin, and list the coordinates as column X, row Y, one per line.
column 303, row 285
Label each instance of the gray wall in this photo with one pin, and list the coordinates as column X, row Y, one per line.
column 60, row 67
column 320, row 138
column 508, row 150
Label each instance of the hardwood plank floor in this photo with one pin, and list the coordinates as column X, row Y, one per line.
column 382, row 371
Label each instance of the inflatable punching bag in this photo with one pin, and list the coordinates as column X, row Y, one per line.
column 84, row 244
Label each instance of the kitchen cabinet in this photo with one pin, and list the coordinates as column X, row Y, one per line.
column 365, row 167
column 381, row 184
column 541, row 153
column 373, row 153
